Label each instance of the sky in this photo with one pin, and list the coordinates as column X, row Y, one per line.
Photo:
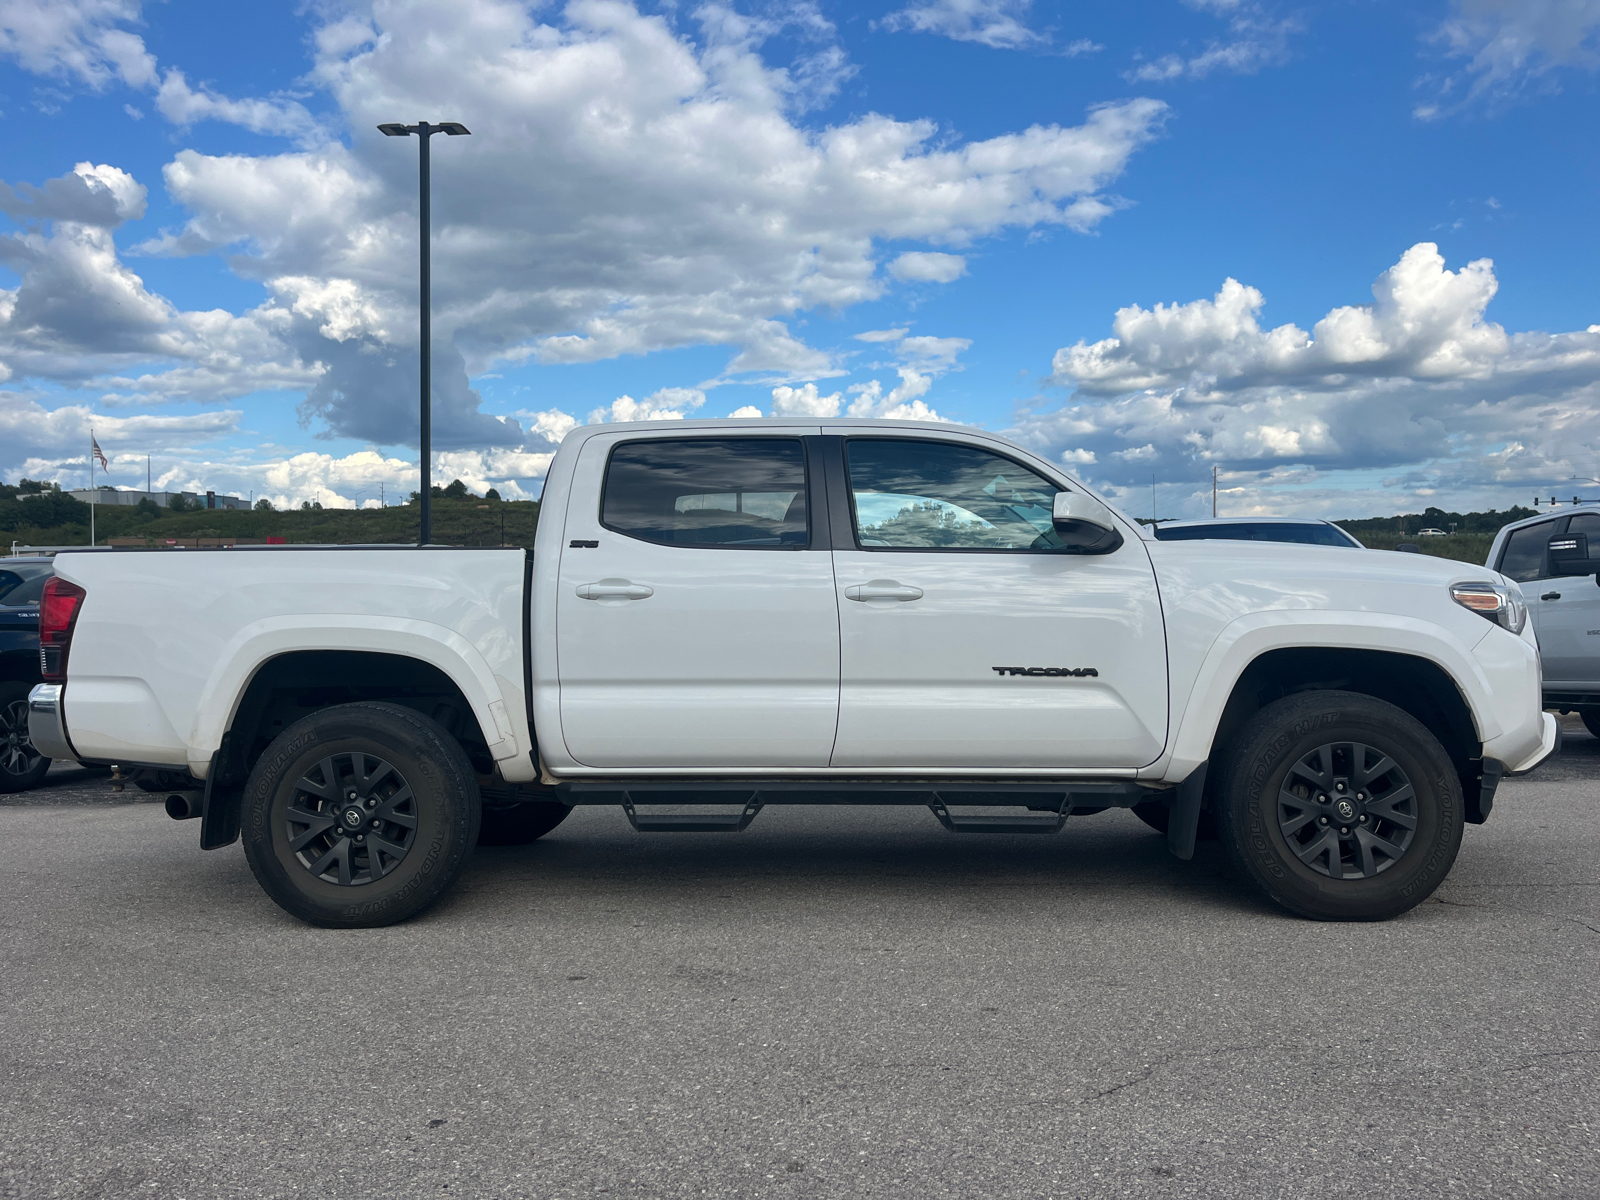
column 1341, row 253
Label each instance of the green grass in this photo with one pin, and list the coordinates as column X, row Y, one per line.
column 1463, row 547
column 470, row 522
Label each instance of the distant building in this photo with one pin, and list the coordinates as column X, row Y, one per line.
column 130, row 497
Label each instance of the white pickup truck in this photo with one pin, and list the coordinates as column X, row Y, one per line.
column 730, row 614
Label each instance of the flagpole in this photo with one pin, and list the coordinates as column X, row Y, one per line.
column 91, row 485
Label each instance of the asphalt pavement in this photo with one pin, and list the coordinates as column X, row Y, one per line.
column 836, row 1003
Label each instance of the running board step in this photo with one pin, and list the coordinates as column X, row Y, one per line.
column 1046, row 822
column 723, row 822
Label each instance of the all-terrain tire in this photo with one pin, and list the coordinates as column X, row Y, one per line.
column 519, row 824
column 21, row 765
column 1274, row 773
column 360, row 815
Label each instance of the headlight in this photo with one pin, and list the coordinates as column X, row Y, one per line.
column 1495, row 601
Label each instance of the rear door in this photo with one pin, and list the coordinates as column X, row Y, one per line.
column 697, row 625
column 970, row 637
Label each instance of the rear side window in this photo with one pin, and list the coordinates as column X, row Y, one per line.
column 744, row 493
column 1523, row 557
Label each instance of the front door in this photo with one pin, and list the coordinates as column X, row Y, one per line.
column 697, row 627
column 970, row 637
column 1568, row 613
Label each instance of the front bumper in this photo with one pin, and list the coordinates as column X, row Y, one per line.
column 46, row 729
column 1549, row 747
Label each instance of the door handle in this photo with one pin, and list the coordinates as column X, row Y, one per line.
column 614, row 589
column 882, row 589
column 1551, row 596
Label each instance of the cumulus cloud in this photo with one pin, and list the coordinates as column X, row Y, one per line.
column 804, row 402
column 1256, row 38
column 1419, row 383
column 76, row 40
column 924, row 266
column 1510, row 46
column 680, row 202
column 1000, row 24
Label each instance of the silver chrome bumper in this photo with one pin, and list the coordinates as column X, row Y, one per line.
column 46, row 730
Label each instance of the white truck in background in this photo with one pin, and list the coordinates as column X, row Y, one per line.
column 740, row 614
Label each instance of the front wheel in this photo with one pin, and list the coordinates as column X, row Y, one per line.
column 360, row 815
column 21, row 765
column 1340, row 807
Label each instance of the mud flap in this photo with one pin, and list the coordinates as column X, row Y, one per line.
column 1183, row 821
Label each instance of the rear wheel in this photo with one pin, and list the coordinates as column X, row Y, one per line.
column 21, row 765
column 1340, row 806
column 360, row 815
column 1591, row 720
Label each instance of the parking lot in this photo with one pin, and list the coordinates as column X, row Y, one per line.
column 838, row 1002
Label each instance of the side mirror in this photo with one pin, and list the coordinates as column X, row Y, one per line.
column 1085, row 524
column 1569, row 555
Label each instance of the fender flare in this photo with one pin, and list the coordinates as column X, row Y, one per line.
column 1246, row 639
column 258, row 643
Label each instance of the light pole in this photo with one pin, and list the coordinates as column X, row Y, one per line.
column 424, row 131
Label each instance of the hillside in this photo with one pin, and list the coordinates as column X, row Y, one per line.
column 56, row 519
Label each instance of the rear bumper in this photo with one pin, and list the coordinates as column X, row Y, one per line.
column 46, row 729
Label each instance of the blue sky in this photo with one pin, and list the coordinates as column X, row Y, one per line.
column 701, row 210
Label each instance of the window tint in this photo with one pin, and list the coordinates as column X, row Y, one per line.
column 29, row 591
column 736, row 493
column 942, row 496
column 1587, row 523
column 1523, row 557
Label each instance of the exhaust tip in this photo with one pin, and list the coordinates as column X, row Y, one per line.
column 182, row 807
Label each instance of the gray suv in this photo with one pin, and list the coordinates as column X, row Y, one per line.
column 1550, row 556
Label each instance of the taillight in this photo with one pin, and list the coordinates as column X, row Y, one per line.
column 58, row 612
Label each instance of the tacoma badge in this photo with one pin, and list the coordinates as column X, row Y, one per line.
column 1075, row 672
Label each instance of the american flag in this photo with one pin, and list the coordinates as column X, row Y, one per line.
column 94, row 449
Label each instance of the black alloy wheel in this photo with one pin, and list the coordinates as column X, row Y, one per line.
column 21, row 765
column 1347, row 810
column 1340, row 806
column 352, row 820
column 360, row 815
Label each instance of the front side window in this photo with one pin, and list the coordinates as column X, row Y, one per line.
column 1523, row 557
column 744, row 493
column 927, row 495
column 1588, row 524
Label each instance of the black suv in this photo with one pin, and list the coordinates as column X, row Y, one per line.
column 22, row 582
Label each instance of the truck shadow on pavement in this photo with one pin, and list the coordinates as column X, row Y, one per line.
column 850, row 857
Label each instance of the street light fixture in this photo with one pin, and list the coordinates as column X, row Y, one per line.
column 424, row 132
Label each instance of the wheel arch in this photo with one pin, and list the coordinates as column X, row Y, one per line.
column 296, row 683
column 1416, row 684
column 501, row 726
